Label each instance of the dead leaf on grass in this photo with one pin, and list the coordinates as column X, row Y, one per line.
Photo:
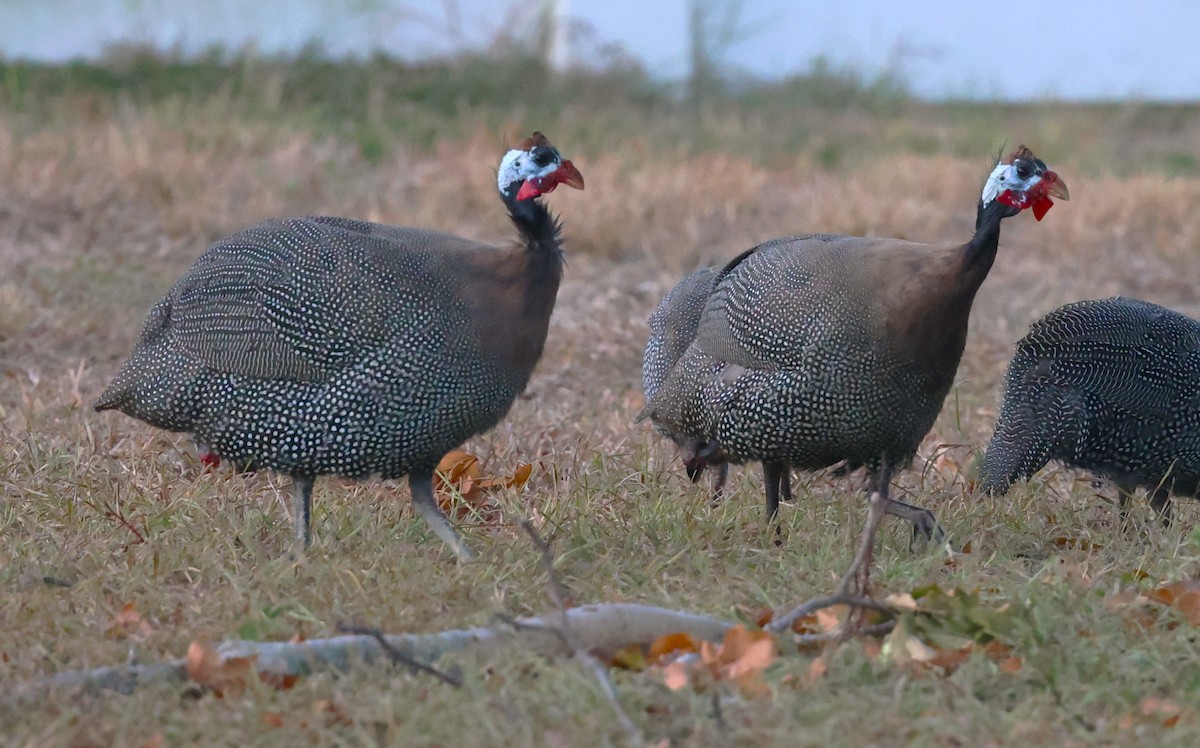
column 669, row 645
column 901, row 601
column 1079, row 544
column 1167, row 709
column 222, row 675
column 1183, row 597
column 677, row 674
column 831, row 619
column 461, row 472
column 128, row 623
column 740, row 658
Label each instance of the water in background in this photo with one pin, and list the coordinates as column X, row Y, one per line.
column 1074, row 49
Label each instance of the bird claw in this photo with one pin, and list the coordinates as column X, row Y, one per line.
column 926, row 529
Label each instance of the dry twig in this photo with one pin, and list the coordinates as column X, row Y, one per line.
column 783, row 623
column 399, row 656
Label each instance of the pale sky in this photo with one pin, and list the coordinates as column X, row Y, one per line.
column 1079, row 49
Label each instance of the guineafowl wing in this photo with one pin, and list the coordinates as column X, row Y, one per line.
column 787, row 303
column 299, row 298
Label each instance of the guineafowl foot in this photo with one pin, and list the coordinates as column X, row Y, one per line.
column 925, row 524
column 426, row 506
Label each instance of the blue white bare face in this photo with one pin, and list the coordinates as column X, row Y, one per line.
column 522, row 166
column 1022, row 181
column 1019, row 177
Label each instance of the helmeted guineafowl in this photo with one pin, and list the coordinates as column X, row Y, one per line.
column 328, row 346
column 1111, row 386
column 825, row 349
column 673, row 327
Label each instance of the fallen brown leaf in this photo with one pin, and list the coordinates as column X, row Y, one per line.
column 1167, row 709
column 128, row 623
column 223, row 675
column 1081, row 544
column 676, row 675
column 670, row 644
column 461, row 473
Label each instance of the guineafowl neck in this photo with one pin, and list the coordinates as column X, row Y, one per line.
column 543, row 261
column 512, row 293
column 980, row 252
column 538, row 228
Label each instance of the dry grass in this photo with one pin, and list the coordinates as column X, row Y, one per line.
column 98, row 215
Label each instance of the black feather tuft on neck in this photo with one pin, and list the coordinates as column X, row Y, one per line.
column 540, row 230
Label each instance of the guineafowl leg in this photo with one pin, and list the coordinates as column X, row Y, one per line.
column 773, row 475
column 421, row 485
column 719, row 483
column 785, row 485
column 302, row 509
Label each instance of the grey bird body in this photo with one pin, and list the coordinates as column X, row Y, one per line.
column 788, row 365
column 328, row 346
column 1111, row 386
column 819, row 350
column 673, row 327
column 319, row 346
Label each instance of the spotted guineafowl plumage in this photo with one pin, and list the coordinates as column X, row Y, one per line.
column 673, row 327
column 818, row 350
column 1111, row 386
column 328, row 346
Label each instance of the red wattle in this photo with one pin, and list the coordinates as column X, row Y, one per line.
column 1041, row 206
column 529, row 189
column 1006, row 198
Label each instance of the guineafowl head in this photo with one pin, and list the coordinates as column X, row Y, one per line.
column 534, row 168
column 697, row 455
column 1021, row 180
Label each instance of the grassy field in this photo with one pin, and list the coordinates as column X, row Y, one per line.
column 112, row 181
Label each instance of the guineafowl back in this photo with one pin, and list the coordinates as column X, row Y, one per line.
column 1111, row 386
column 806, row 355
column 326, row 345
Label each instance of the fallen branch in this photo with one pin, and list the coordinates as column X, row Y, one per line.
column 606, row 626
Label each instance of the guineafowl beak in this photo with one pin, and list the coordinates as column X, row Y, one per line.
column 1055, row 187
column 566, row 173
